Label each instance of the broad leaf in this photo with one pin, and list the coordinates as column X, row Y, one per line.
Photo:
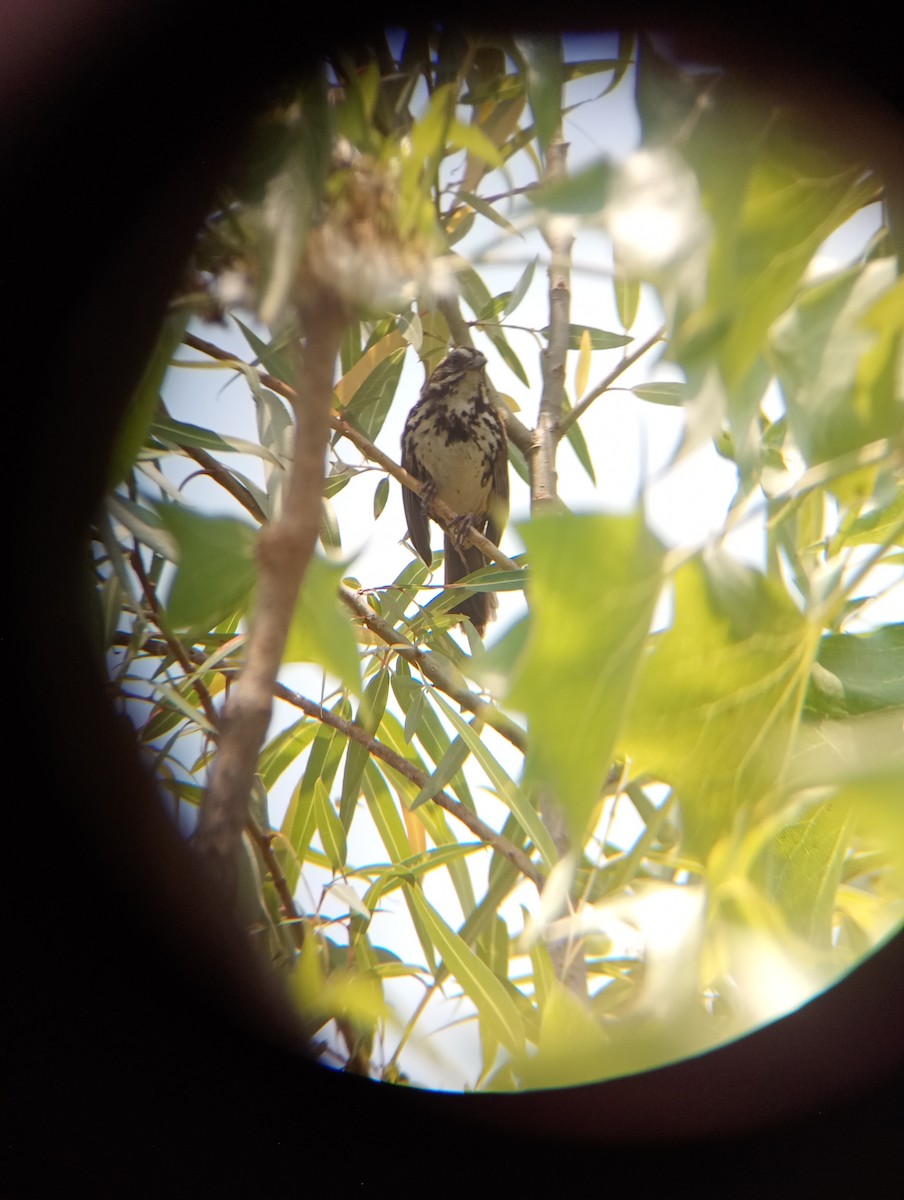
column 594, row 584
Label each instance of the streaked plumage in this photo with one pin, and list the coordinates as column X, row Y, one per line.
column 454, row 441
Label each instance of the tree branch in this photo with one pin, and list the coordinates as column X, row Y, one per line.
column 440, row 511
column 392, row 758
column 434, row 669
column 284, row 549
column 575, row 414
column 559, row 238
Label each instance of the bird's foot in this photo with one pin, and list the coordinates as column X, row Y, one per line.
column 458, row 529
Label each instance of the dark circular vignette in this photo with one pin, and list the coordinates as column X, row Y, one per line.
column 147, row 1054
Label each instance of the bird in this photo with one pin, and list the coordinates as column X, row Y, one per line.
column 454, row 442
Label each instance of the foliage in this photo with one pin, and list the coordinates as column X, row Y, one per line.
column 675, row 775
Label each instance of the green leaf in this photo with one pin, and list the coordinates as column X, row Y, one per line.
column 369, row 715
column 283, row 749
column 452, row 762
column 573, row 1045
column 594, row 584
column 627, row 300
column 508, row 791
column 320, row 631
column 271, row 355
column 519, row 291
column 875, row 527
column 486, row 210
column 370, row 404
column 216, row 571
column 330, row 828
column 582, row 194
column 473, row 139
column 803, row 870
column 494, row 1005
column 390, row 879
column 868, row 669
column 300, row 820
column 180, row 433
column 545, row 77
column 720, row 695
column 835, row 353
column 600, row 339
column 145, row 400
column 667, row 392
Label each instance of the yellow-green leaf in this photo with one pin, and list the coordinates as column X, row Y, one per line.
column 720, row 695
column 594, row 584
column 320, row 631
column 493, row 1003
column 582, row 370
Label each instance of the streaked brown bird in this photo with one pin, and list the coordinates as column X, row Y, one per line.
column 454, row 442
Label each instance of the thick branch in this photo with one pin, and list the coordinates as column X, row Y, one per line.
column 284, row 550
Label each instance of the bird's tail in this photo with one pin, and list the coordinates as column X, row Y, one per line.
column 481, row 607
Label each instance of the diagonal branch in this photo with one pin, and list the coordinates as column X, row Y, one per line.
column 350, row 729
column 575, row 414
column 435, row 669
column 443, row 514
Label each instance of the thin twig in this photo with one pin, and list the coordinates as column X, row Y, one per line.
column 434, row 669
column 575, row 414
column 380, row 750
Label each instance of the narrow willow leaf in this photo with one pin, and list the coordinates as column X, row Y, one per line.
column 519, row 291
column 450, row 765
column 600, row 339
column 578, row 443
column 493, row 1003
column 390, row 879
column 509, row 792
column 373, row 400
column 473, row 139
column 545, row 77
column 369, row 715
column 184, row 434
column 627, row 300
column 664, row 392
column 300, row 820
column 145, row 400
column 271, row 354
column 365, row 365
column 332, row 833
column 283, row 749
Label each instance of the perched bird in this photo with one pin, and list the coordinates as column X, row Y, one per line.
column 454, row 442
